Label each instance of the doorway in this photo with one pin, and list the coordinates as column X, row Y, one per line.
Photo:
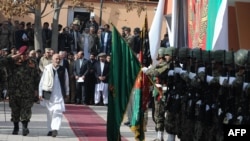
column 83, row 17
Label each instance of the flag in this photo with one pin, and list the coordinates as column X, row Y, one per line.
column 197, row 23
column 217, row 28
column 124, row 68
column 155, row 31
column 141, row 92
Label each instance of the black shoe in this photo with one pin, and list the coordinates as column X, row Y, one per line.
column 25, row 128
column 49, row 133
column 16, row 128
column 25, row 131
column 54, row 133
column 15, row 132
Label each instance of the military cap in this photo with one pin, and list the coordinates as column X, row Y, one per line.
column 196, row 53
column 228, row 57
column 241, row 57
column 102, row 54
column 23, row 49
column 171, row 51
column 183, row 52
column 161, row 51
column 206, row 56
column 218, row 55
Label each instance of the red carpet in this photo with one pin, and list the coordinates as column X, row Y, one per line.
column 86, row 124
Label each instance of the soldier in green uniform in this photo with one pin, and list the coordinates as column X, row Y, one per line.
column 23, row 80
column 159, row 74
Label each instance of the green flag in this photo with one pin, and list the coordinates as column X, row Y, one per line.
column 124, row 68
column 141, row 91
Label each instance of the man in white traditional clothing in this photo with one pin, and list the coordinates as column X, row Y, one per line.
column 53, row 87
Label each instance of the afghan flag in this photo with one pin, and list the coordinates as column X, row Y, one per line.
column 217, row 28
column 124, row 68
column 197, row 23
column 141, row 94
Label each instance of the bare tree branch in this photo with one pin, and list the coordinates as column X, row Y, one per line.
column 53, row 11
column 45, row 6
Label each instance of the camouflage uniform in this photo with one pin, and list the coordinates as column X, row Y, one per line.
column 23, row 80
column 3, row 78
column 159, row 74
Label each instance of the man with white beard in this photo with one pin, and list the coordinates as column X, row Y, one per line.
column 53, row 87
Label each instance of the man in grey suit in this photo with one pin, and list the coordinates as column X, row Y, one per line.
column 80, row 69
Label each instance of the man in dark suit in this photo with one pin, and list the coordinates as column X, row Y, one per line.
column 90, row 79
column 80, row 68
column 76, row 44
column 106, row 40
column 46, row 36
column 101, row 74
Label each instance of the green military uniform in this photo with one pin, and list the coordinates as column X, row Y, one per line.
column 3, row 78
column 23, row 81
column 159, row 73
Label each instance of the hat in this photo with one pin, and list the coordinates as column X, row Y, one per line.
column 23, row 49
column 171, row 51
column 161, row 51
column 101, row 54
column 76, row 21
column 241, row 57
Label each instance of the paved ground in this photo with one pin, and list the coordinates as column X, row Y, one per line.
column 38, row 128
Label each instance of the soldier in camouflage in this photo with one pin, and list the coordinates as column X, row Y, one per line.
column 159, row 74
column 23, row 80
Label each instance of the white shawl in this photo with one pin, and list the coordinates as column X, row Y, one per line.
column 48, row 78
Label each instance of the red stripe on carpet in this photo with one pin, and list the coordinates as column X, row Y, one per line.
column 86, row 123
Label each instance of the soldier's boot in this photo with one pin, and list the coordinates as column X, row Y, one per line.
column 171, row 137
column 16, row 128
column 25, row 128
